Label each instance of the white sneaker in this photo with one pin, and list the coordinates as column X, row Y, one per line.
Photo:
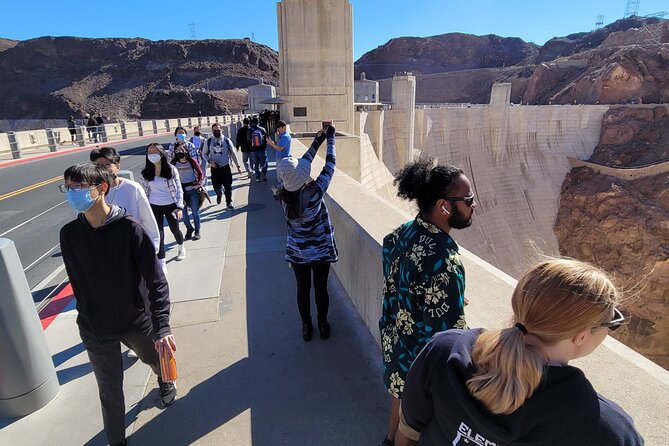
column 182, row 252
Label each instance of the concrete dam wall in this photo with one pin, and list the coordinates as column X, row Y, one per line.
column 515, row 156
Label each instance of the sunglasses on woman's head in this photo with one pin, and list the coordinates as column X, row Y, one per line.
column 618, row 320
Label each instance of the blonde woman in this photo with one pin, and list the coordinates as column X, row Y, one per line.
column 515, row 386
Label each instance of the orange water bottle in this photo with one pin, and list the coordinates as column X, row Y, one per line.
column 168, row 365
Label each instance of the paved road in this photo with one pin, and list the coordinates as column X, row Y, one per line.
column 32, row 211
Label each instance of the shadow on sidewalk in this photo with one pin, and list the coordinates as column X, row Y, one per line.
column 296, row 393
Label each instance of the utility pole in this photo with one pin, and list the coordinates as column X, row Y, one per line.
column 600, row 21
column 191, row 28
column 632, row 9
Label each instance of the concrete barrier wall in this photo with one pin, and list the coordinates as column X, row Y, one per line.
column 32, row 139
column 37, row 140
column 361, row 220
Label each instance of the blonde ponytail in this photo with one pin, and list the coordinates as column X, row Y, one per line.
column 508, row 370
column 553, row 301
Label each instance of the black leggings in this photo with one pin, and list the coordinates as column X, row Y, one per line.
column 303, row 278
column 166, row 211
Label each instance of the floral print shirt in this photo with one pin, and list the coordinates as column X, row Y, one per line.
column 423, row 294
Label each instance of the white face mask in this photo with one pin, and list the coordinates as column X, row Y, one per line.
column 154, row 157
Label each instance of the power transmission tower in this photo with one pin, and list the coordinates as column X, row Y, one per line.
column 253, row 37
column 600, row 21
column 191, row 28
column 632, row 8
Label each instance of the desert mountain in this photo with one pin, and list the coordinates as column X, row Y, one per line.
column 625, row 61
column 53, row 77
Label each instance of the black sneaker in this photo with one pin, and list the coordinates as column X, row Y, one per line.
column 387, row 442
column 168, row 392
column 229, row 206
column 264, row 178
column 258, row 180
column 196, row 236
column 218, row 198
column 307, row 329
column 189, row 234
column 324, row 329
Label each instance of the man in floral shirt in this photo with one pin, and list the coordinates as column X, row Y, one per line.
column 424, row 279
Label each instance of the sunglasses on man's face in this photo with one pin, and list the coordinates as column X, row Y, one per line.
column 618, row 320
column 64, row 188
column 469, row 199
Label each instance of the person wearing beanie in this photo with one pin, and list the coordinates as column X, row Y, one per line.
column 310, row 244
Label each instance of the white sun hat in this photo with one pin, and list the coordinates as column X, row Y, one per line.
column 294, row 173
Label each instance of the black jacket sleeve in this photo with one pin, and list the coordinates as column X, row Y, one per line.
column 615, row 426
column 156, row 282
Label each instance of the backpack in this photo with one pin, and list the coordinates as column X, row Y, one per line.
column 256, row 136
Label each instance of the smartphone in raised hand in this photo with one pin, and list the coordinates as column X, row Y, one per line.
column 326, row 124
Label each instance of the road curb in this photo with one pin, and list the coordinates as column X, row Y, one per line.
column 77, row 149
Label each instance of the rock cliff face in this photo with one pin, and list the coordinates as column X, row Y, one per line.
column 623, row 226
column 624, row 62
column 446, row 52
column 5, row 44
column 53, row 77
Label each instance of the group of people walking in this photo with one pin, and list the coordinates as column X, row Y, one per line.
column 449, row 384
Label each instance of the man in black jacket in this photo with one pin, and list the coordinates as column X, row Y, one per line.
column 103, row 238
column 243, row 142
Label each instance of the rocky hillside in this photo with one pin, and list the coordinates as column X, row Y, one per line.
column 52, row 77
column 446, row 52
column 626, row 61
column 623, row 226
column 5, row 44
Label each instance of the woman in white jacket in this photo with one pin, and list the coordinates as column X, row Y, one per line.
column 163, row 189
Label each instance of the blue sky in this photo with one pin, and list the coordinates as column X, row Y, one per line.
column 375, row 21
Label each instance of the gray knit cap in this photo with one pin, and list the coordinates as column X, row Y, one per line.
column 294, row 173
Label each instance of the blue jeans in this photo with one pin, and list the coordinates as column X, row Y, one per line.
column 259, row 160
column 192, row 201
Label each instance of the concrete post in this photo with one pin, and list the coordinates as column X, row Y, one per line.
column 29, row 378
column 102, row 133
column 140, row 130
column 208, row 121
column 190, row 123
column 124, row 131
column 155, row 127
column 199, row 121
column 167, row 125
column 179, row 124
column 51, row 140
column 14, row 145
column 404, row 111
column 81, row 135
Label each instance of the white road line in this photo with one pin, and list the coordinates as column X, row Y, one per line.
column 40, row 286
column 31, row 219
column 40, row 258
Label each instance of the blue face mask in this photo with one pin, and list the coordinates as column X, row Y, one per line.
column 80, row 200
column 181, row 137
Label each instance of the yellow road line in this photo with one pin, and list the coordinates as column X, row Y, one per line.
column 29, row 188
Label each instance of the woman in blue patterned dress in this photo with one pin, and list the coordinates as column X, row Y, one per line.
column 310, row 244
column 424, row 279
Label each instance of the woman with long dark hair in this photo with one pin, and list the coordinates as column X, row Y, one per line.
column 163, row 189
column 192, row 180
column 515, row 386
column 311, row 245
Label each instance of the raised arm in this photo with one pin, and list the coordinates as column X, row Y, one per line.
column 323, row 180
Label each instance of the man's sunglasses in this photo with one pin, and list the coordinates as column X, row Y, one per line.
column 618, row 320
column 469, row 199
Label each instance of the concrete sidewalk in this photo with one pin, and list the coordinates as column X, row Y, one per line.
column 246, row 375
